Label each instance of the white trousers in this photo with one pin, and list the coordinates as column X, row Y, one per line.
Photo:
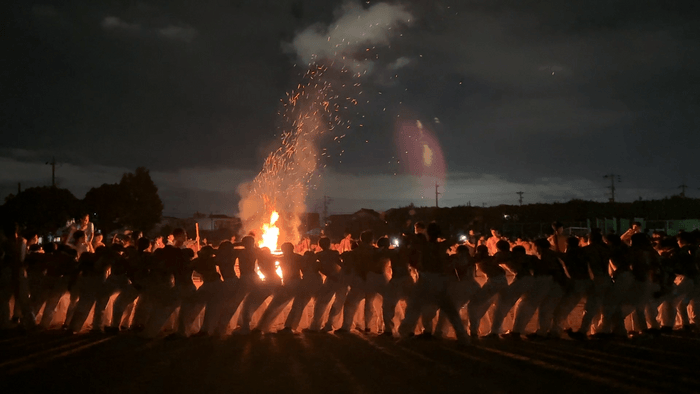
column 430, row 290
column 281, row 298
column 15, row 284
column 216, row 315
column 396, row 290
column 56, row 287
column 507, row 299
column 676, row 304
column 368, row 290
column 483, row 299
column 114, row 284
column 531, row 301
column 311, row 287
column 203, row 299
column 89, row 288
column 578, row 290
column 332, row 287
column 595, row 301
column 255, row 299
column 166, row 300
column 242, row 289
column 612, row 305
column 545, row 317
column 461, row 292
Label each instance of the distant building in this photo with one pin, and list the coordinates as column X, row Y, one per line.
column 364, row 219
column 310, row 221
column 217, row 222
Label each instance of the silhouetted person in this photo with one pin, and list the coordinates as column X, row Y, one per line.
column 431, row 288
column 335, row 284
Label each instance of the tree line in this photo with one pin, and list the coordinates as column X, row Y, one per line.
column 132, row 203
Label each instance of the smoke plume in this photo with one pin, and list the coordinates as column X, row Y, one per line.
column 348, row 37
column 314, row 109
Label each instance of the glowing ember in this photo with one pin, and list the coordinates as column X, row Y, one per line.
column 270, row 233
column 312, row 114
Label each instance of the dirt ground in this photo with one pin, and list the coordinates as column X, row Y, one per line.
column 55, row 362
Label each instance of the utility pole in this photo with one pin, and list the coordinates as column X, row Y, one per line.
column 436, row 194
column 53, row 171
column 19, row 188
column 520, row 200
column 612, row 177
column 326, row 201
column 683, row 187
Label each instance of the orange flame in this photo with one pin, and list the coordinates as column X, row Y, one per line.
column 270, row 233
column 269, row 239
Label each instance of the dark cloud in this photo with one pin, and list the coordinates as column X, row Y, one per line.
column 521, row 90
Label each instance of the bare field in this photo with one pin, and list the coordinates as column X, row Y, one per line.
column 56, row 362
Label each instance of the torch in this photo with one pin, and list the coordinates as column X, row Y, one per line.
column 196, row 229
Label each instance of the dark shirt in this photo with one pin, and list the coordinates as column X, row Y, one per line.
column 266, row 263
column 329, row 261
column 291, row 266
column 87, row 264
column 641, row 263
column 178, row 264
column 226, row 260
column 550, row 261
column 685, row 263
column 206, row 267
column 347, row 263
column 465, row 266
column 10, row 254
column 310, row 266
column 139, row 269
column 65, row 264
column 400, row 259
column 491, row 266
column 598, row 257
column 36, row 262
column 619, row 256
column 434, row 257
column 576, row 263
column 246, row 261
column 518, row 264
column 365, row 260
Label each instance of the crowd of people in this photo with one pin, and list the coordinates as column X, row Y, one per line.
column 426, row 285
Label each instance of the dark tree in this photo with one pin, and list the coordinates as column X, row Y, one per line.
column 41, row 209
column 133, row 203
column 141, row 194
column 109, row 204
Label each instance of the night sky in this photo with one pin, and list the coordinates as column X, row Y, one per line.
column 544, row 97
